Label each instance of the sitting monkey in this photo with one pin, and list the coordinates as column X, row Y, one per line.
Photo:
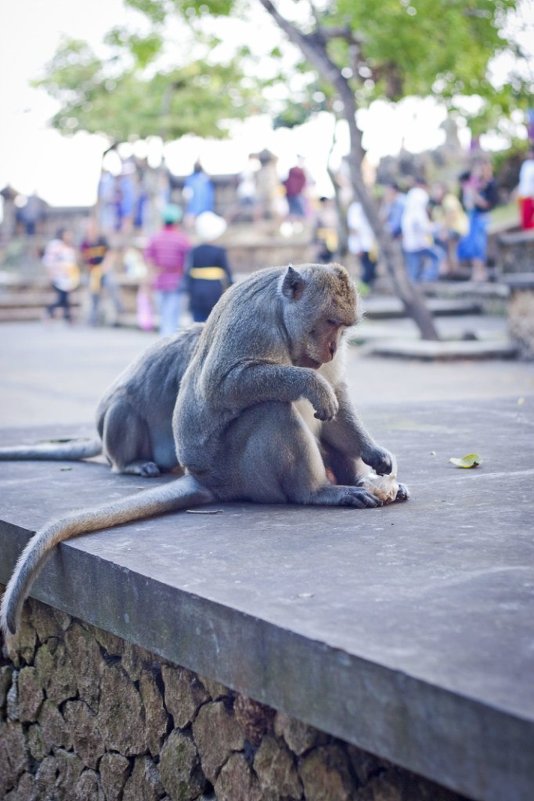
column 134, row 417
column 273, row 340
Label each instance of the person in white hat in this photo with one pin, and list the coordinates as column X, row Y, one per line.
column 208, row 272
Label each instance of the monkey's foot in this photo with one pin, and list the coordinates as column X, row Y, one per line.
column 403, row 493
column 341, row 495
column 359, row 498
column 149, row 470
column 145, row 469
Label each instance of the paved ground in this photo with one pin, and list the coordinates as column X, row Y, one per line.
column 406, row 630
column 422, row 654
column 51, row 373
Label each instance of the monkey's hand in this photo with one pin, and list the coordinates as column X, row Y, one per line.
column 322, row 398
column 378, row 458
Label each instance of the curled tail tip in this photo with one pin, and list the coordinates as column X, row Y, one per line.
column 8, row 618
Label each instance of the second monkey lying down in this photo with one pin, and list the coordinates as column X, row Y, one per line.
column 133, row 417
column 262, row 414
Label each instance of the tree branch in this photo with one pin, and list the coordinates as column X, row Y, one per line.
column 309, row 44
column 314, row 49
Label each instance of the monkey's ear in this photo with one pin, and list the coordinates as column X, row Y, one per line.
column 293, row 284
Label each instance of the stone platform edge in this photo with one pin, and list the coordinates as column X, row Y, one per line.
column 454, row 741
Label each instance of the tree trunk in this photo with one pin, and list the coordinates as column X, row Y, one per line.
column 314, row 50
column 406, row 290
column 342, row 227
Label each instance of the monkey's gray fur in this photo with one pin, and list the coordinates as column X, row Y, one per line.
column 134, row 417
column 261, row 413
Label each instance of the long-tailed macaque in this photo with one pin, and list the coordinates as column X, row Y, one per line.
column 134, row 417
column 261, row 415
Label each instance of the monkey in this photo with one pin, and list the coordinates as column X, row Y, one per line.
column 261, row 414
column 134, row 416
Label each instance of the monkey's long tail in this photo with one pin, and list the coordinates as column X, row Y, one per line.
column 179, row 494
column 68, row 450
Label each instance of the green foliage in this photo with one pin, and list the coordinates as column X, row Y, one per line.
column 143, row 49
column 115, row 98
column 155, row 10
column 312, row 98
column 389, row 49
column 199, row 8
column 158, row 10
column 418, row 47
column 397, row 48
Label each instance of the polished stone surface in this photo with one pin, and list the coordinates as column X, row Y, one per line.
column 406, row 630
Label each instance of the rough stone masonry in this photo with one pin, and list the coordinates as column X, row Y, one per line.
column 86, row 716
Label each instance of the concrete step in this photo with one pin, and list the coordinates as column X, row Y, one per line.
column 519, row 281
column 463, row 290
column 30, row 306
column 28, row 301
column 386, row 307
column 16, row 315
column 444, row 350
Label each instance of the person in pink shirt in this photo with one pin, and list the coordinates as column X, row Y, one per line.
column 165, row 257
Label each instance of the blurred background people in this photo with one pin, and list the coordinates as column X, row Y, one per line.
column 165, row 256
column 361, row 242
column 198, row 193
column 60, row 261
column 208, row 272
column 422, row 257
column 268, row 188
column 392, row 209
column 525, row 191
column 125, row 198
column 479, row 196
column 295, row 185
column 31, row 214
column 325, row 231
column 246, row 192
column 451, row 225
column 98, row 259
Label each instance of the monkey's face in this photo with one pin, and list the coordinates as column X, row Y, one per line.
column 322, row 343
column 321, row 305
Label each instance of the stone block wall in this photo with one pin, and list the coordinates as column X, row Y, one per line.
column 86, row 716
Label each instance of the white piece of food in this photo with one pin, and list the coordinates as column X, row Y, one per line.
column 385, row 488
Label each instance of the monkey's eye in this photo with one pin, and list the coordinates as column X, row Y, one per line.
column 334, row 323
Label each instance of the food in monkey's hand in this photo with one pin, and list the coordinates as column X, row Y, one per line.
column 385, row 487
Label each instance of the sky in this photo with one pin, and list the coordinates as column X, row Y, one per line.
column 64, row 171
column 32, row 155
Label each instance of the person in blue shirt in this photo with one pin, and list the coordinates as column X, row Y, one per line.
column 479, row 196
column 199, row 192
column 393, row 206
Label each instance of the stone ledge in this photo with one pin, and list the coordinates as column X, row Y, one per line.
column 426, row 350
column 405, row 631
column 520, row 281
column 383, row 307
